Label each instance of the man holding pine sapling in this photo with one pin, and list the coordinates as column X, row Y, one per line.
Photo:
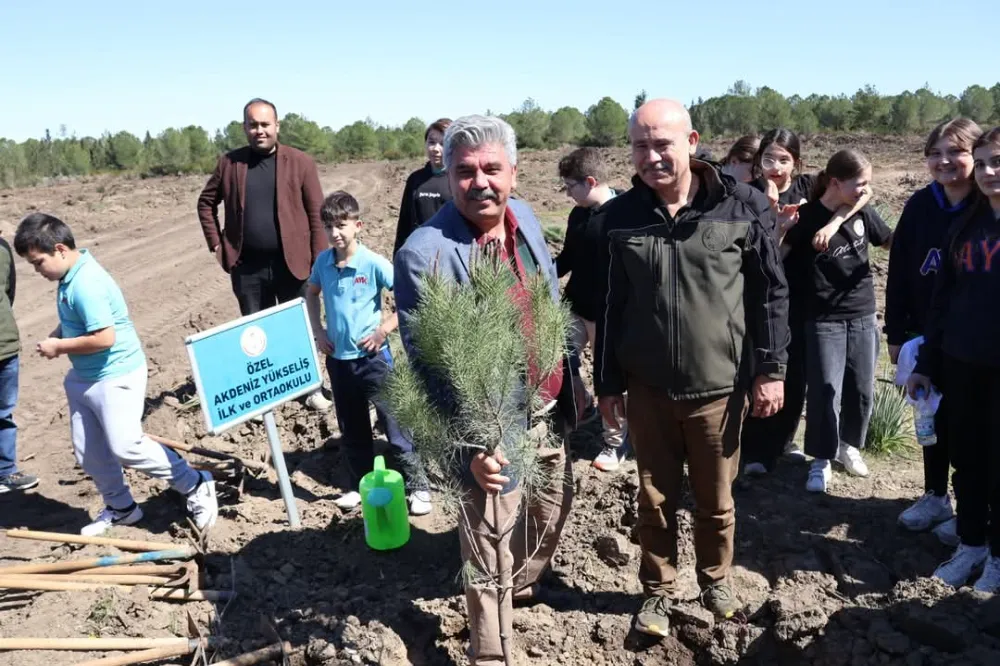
column 483, row 224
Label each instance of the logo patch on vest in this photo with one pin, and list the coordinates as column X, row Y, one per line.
column 714, row 238
column 932, row 262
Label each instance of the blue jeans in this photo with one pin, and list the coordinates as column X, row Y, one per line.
column 9, row 368
column 840, row 366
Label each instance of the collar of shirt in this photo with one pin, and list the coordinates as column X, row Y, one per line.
column 508, row 248
column 71, row 273
column 352, row 261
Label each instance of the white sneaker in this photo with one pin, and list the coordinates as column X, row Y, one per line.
column 990, row 580
column 793, row 451
column 926, row 511
column 420, row 503
column 851, row 459
column 202, row 503
column 109, row 517
column 318, row 402
column 348, row 500
column 819, row 476
column 959, row 569
column 947, row 533
column 609, row 459
column 755, row 469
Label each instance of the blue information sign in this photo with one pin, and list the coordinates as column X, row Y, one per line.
column 253, row 364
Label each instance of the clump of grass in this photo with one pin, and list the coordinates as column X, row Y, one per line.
column 889, row 430
column 101, row 614
column 554, row 233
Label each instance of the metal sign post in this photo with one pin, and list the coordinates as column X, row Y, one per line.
column 249, row 366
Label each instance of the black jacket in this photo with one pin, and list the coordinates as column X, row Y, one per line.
column 674, row 315
column 424, row 195
column 580, row 257
column 963, row 321
column 916, row 259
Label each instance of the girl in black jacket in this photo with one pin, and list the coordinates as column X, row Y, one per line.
column 961, row 354
column 777, row 171
column 838, row 301
column 914, row 262
column 427, row 189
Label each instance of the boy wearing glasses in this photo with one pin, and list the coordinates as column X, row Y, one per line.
column 351, row 279
column 584, row 177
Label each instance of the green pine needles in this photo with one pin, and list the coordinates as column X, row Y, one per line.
column 486, row 369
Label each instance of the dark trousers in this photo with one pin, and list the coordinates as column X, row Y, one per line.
column 356, row 383
column 665, row 433
column 974, row 431
column 840, row 365
column 9, row 369
column 764, row 440
column 937, row 457
column 263, row 281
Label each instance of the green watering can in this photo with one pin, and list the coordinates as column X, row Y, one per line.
column 383, row 507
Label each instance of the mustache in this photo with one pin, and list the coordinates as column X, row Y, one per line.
column 482, row 195
column 659, row 166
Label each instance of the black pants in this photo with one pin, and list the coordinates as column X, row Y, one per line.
column 356, row 383
column 764, row 440
column 937, row 457
column 974, row 432
column 263, row 281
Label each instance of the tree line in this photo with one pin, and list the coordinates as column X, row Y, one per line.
column 742, row 110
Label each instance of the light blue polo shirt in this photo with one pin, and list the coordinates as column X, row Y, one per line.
column 352, row 296
column 88, row 299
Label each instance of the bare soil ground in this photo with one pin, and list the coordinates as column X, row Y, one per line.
column 826, row 580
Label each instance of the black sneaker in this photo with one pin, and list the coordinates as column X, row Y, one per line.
column 721, row 600
column 17, row 481
column 653, row 617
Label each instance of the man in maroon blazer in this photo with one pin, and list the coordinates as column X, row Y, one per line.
column 271, row 233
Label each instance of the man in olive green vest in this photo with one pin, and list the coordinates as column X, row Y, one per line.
column 10, row 346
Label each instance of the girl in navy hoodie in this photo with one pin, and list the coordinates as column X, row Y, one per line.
column 913, row 266
column 961, row 354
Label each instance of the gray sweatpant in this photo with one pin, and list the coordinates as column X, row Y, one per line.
column 106, row 427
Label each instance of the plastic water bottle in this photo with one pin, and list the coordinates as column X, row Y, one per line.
column 923, row 419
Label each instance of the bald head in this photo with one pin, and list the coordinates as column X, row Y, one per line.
column 661, row 112
column 663, row 143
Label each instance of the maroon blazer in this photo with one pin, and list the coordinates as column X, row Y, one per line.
column 300, row 198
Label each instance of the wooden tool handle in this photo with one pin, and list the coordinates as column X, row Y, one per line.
column 264, row 654
column 123, row 544
column 154, row 654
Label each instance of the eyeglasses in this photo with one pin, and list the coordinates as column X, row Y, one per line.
column 570, row 185
column 770, row 162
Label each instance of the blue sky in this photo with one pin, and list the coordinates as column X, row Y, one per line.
column 110, row 65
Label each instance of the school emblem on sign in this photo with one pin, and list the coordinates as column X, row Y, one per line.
column 859, row 227
column 253, row 341
column 714, row 238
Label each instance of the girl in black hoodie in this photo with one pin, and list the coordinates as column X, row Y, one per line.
column 961, row 354
column 914, row 262
column 777, row 171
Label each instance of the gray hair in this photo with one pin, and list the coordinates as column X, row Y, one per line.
column 474, row 131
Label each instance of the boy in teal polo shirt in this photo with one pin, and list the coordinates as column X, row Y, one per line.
column 351, row 279
column 106, row 386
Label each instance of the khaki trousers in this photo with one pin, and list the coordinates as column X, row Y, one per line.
column 665, row 433
column 527, row 548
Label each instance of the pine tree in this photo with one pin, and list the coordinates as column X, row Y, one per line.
column 491, row 372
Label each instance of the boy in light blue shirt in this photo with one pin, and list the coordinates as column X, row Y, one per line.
column 106, row 386
column 350, row 277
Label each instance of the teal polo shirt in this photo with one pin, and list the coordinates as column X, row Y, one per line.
column 352, row 296
column 88, row 300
